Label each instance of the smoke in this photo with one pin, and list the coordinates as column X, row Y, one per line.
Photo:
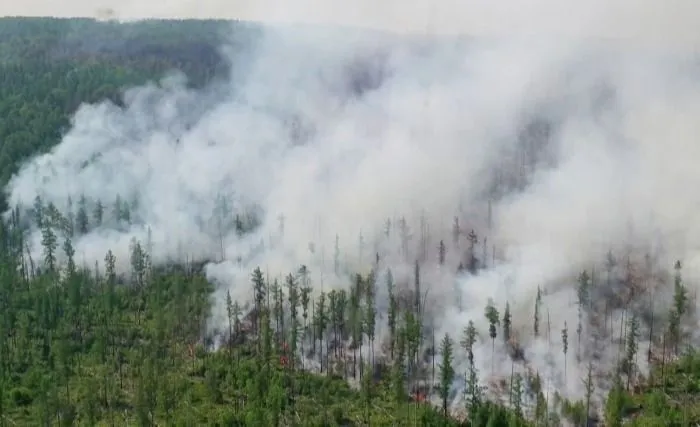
column 555, row 151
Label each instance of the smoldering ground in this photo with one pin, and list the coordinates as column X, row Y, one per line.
column 554, row 152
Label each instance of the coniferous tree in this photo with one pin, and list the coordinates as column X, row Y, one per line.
column 39, row 212
column 492, row 316
column 468, row 340
column 507, row 324
column 518, row 396
column 293, row 297
column 98, row 213
column 447, row 372
column 50, row 244
column 321, row 323
column 229, row 317
column 70, row 260
column 417, row 289
column 398, row 379
column 336, row 256
column 473, row 262
column 538, row 302
column 583, row 297
column 370, row 313
column 632, row 346
column 355, row 319
column 260, row 292
column 278, row 310
column 588, row 384
column 473, row 393
column 680, row 301
column 442, row 252
column 456, row 231
column 392, row 314
column 305, row 299
column 565, row 345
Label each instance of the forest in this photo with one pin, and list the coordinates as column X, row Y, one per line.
column 90, row 345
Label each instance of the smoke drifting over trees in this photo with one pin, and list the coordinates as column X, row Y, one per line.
column 479, row 172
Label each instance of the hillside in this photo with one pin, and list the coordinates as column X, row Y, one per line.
column 86, row 348
column 162, row 292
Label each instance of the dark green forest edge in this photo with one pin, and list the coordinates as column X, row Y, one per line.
column 80, row 346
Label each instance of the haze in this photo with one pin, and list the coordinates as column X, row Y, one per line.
column 646, row 22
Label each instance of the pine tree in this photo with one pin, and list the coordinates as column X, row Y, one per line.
column 588, row 384
column 293, row 298
column 355, row 319
column 468, row 340
column 538, row 302
column 632, row 346
column 70, row 261
column 278, row 309
column 81, row 218
column 392, row 314
column 229, row 317
column 442, row 251
column 518, row 395
column 565, row 345
column 50, row 244
column 39, row 212
column 583, row 298
column 398, row 373
column 370, row 312
column 447, row 372
column 98, row 213
column 260, row 292
column 321, row 323
column 456, row 231
column 473, row 262
column 507, row 324
column 305, row 300
column 492, row 316
column 680, row 301
column 473, row 393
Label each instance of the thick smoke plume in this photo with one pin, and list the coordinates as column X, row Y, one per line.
column 325, row 141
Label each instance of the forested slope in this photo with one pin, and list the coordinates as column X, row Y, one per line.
column 48, row 67
column 81, row 345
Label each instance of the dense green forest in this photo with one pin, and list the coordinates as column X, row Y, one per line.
column 81, row 345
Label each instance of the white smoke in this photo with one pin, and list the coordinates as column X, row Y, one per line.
column 424, row 134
